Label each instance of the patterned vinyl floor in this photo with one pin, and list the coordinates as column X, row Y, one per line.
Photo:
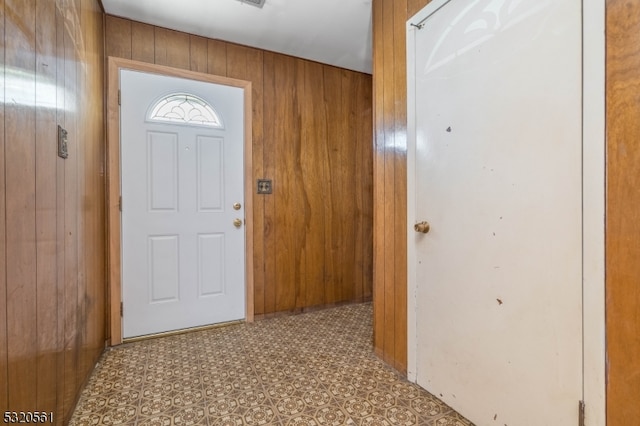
column 305, row 370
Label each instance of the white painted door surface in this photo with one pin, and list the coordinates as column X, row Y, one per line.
column 182, row 171
column 496, row 93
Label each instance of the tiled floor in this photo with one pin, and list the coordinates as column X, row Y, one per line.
column 310, row 369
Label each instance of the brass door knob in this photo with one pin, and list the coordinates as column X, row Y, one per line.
column 236, row 206
column 422, row 227
column 237, row 223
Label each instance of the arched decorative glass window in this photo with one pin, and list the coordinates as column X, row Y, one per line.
column 182, row 108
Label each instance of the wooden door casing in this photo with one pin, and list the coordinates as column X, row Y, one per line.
column 622, row 219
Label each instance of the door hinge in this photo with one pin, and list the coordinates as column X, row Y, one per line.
column 119, row 97
column 121, row 309
column 120, row 203
column 581, row 413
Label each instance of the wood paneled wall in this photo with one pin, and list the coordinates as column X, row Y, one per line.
column 52, row 239
column 312, row 135
column 390, row 178
column 623, row 215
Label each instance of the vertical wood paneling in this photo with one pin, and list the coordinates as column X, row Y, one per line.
column 390, row 192
column 313, row 114
column 53, row 243
column 332, row 231
column 4, row 381
column 198, row 54
column 70, row 284
column 343, row 181
column 60, row 209
column 120, row 37
column 160, row 40
column 217, row 57
column 237, row 62
column 341, row 227
column 177, row 48
column 365, row 173
column 622, row 218
column 142, row 42
column 302, row 285
column 81, row 224
column 270, row 166
column 312, row 136
column 20, row 184
column 400, row 182
column 171, row 48
column 286, row 190
column 256, row 75
column 358, row 113
column 378, row 181
column 46, row 257
column 91, row 200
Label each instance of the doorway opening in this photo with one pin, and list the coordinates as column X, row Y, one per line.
column 176, row 176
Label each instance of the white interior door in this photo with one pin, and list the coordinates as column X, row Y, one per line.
column 495, row 168
column 182, row 172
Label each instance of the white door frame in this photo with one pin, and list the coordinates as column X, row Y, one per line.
column 593, row 194
column 113, row 182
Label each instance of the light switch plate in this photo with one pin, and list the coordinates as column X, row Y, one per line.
column 265, row 186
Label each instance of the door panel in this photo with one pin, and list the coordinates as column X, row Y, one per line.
column 163, row 268
column 210, row 173
column 211, row 249
column 497, row 174
column 183, row 260
column 162, row 158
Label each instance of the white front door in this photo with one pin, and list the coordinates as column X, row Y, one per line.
column 183, row 257
column 496, row 108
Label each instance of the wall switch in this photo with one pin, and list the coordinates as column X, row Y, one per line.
column 265, row 186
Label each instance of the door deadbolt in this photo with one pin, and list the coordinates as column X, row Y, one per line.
column 237, row 206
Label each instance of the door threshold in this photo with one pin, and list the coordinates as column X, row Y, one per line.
column 181, row 331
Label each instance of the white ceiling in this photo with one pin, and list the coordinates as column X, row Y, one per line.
column 336, row 32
